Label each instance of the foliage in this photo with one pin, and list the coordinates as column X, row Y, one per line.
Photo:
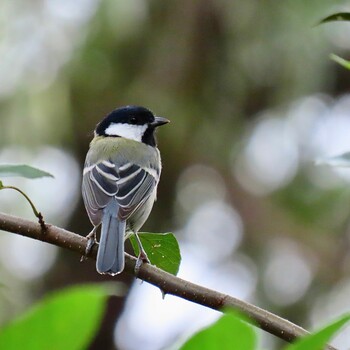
column 67, row 319
column 162, row 250
column 336, row 17
column 319, row 339
column 228, row 332
column 22, row 170
column 26, row 171
column 231, row 331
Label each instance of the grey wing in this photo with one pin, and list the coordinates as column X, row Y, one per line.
column 131, row 185
column 99, row 187
column 135, row 186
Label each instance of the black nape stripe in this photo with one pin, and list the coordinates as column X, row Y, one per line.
column 148, row 137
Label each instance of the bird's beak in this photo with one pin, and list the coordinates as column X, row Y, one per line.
column 158, row 121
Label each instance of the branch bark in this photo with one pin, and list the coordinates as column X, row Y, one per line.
column 168, row 283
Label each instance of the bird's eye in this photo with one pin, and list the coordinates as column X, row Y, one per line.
column 133, row 120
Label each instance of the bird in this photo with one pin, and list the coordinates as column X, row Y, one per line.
column 120, row 179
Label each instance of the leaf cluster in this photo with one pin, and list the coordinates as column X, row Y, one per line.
column 70, row 318
column 232, row 331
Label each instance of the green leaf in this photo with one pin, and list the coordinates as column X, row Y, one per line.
column 162, row 250
column 341, row 61
column 340, row 16
column 318, row 340
column 10, row 170
column 227, row 333
column 341, row 160
column 67, row 319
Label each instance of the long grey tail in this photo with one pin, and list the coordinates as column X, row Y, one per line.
column 110, row 255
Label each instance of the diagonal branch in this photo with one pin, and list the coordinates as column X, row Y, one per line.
column 168, row 283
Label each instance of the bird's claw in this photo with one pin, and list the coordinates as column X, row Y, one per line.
column 91, row 237
column 90, row 243
column 141, row 259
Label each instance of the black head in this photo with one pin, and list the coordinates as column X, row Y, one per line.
column 133, row 122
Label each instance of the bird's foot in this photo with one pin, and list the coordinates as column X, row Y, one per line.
column 91, row 237
column 141, row 259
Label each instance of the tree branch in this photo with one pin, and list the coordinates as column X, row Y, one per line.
column 168, row 283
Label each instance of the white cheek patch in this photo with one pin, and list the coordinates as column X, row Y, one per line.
column 133, row 132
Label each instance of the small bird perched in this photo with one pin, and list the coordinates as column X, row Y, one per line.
column 120, row 179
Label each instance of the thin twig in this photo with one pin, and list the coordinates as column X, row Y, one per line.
column 35, row 211
column 168, row 283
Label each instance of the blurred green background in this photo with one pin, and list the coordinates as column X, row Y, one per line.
column 253, row 101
